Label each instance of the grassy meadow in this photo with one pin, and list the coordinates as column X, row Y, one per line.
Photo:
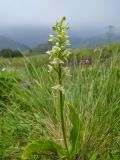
column 29, row 108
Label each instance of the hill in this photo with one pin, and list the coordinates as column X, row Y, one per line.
column 93, row 41
column 7, row 43
column 39, row 49
column 88, row 42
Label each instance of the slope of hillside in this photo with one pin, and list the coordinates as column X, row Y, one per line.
column 6, row 43
column 89, row 42
column 39, row 49
column 93, row 41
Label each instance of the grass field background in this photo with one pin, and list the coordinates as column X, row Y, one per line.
column 29, row 109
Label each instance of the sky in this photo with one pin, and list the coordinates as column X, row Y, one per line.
column 30, row 21
column 46, row 12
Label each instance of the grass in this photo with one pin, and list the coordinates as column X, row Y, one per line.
column 28, row 109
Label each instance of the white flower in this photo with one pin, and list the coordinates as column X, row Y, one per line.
column 50, row 68
column 49, row 52
column 56, row 61
column 58, row 88
column 56, row 49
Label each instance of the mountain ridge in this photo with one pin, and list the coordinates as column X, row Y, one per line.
column 89, row 42
column 8, row 43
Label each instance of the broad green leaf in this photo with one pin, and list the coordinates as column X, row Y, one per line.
column 94, row 156
column 41, row 147
column 75, row 133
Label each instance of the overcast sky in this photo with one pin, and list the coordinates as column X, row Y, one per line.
column 46, row 12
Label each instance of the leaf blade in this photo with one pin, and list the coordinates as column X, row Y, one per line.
column 43, row 146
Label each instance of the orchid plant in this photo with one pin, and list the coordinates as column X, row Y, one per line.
column 57, row 56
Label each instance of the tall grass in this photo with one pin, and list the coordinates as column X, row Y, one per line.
column 31, row 111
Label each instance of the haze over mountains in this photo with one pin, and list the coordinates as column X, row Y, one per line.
column 29, row 22
column 24, row 38
column 32, row 36
column 7, row 43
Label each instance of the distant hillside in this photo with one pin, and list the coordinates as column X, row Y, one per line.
column 7, row 43
column 39, row 49
column 89, row 42
column 93, row 41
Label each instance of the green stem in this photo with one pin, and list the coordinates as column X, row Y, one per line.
column 62, row 110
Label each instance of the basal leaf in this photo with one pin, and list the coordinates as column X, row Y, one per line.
column 75, row 133
column 94, row 156
column 42, row 147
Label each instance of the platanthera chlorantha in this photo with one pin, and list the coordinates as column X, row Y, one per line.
column 57, row 56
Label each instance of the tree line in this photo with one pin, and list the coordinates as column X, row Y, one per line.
column 8, row 53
